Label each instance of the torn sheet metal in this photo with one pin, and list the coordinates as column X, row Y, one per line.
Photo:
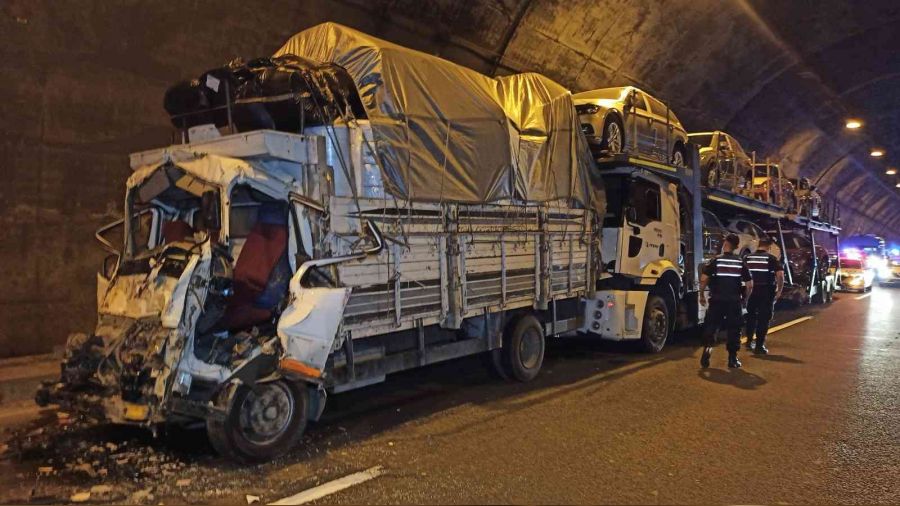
column 309, row 324
column 447, row 133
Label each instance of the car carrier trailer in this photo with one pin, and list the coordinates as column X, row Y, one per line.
column 781, row 216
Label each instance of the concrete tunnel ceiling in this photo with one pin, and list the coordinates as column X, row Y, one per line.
column 780, row 76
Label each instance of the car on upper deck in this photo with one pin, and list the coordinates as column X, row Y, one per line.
column 768, row 184
column 629, row 120
column 722, row 159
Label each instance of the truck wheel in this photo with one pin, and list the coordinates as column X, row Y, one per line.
column 262, row 423
column 655, row 329
column 523, row 348
column 829, row 293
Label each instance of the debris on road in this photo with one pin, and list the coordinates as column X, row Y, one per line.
column 107, row 464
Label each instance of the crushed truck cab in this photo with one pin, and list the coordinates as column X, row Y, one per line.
column 216, row 231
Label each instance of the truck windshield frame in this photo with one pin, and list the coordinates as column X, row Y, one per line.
column 175, row 198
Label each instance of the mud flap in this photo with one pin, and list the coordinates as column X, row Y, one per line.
column 308, row 326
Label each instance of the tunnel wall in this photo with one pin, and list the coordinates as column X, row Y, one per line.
column 85, row 80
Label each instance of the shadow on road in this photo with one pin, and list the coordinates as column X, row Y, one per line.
column 778, row 358
column 738, row 378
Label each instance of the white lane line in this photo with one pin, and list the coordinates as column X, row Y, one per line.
column 861, row 297
column 791, row 323
column 331, row 487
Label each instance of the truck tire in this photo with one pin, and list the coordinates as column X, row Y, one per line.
column 523, row 348
column 656, row 324
column 262, row 423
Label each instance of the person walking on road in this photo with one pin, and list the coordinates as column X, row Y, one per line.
column 724, row 275
column 768, row 281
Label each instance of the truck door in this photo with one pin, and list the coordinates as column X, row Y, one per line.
column 670, row 224
column 642, row 235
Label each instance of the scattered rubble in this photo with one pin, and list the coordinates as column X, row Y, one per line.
column 140, row 496
column 252, row 499
column 83, row 461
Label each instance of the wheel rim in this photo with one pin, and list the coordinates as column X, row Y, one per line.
column 613, row 137
column 677, row 158
column 530, row 349
column 266, row 414
column 657, row 325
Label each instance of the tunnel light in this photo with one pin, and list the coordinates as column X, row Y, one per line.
column 891, row 171
column 853, row 124
column 897, row 185
column 876, row 153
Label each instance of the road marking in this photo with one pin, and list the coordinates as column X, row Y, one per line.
column 861, row 297
column 331, row 487
column 791, row 323
column 783, row 326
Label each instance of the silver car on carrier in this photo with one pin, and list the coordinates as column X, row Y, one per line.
column 628, row 120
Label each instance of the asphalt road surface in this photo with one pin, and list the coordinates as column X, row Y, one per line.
column 817, row 420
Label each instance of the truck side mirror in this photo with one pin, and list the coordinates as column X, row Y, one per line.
column 211, row 212
column 629, row 101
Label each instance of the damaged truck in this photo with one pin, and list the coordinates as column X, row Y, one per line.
column 340, row 211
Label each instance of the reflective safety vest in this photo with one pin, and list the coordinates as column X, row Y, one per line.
column 727, row 272
column 763, row 267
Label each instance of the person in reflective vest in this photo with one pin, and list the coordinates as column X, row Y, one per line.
column 730, row 285
column 768, row 281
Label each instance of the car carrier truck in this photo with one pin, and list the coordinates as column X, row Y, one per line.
column 350, row 208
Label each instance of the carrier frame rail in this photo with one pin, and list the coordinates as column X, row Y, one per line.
column 739, row 204
column 449, row 278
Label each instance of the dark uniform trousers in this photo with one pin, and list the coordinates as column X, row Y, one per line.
column 727, row 314
column 760, row 307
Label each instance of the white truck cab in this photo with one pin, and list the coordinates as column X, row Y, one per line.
column 648, row 250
